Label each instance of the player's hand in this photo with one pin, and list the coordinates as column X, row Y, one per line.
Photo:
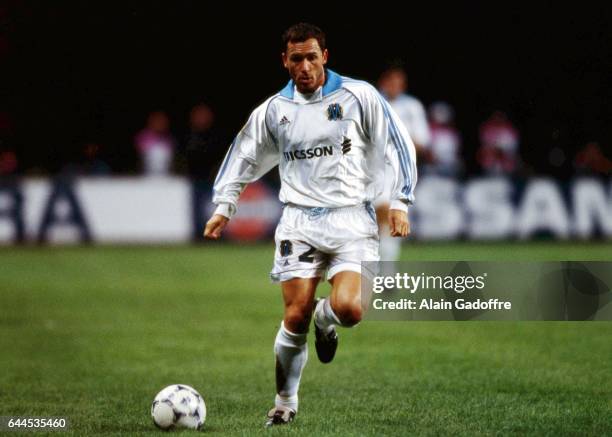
column 398, row 223
column 215, row 226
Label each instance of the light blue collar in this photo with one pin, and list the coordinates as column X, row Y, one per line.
column 333, row 82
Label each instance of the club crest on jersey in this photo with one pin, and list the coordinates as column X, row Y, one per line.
column 334, row 112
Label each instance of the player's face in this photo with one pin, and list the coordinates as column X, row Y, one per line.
column 305, row 61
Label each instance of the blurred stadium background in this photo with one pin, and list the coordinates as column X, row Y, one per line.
column 113, row 121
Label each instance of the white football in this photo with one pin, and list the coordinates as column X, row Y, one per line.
column 178, row 406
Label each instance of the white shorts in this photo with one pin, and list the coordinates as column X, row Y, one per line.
column 310, row 241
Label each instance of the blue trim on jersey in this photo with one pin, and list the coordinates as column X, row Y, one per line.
column 288, row 90
column 402, row 149
column 333, row 82
column 398, row 141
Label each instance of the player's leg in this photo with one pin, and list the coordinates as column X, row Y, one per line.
column 298, row 297
column 343, row 307
column 290, row 347
column 356, row 239
column 345, row 298
column 298, row 266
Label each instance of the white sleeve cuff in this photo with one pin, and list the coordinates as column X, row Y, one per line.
column 226, row 210
column 398, row 204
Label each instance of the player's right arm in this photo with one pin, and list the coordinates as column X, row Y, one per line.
column 215, row 226
column 252, row 154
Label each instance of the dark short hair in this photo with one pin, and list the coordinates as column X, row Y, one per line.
column 301, row 32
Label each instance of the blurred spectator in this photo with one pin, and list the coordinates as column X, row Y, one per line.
column 393, row 84
column 156, row 144
column 445, row 145
column 8, row 162
column 8, row 158
column 93, row 164
column 590, row 160
column 203, row 147
column 499, row 144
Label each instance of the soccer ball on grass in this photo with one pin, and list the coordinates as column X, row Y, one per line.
column 178, row 406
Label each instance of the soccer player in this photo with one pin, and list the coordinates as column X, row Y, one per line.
column 331, row 137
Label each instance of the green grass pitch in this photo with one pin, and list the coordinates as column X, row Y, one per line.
column 93, row 333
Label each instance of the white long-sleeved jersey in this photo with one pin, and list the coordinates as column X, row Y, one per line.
column 331, row 148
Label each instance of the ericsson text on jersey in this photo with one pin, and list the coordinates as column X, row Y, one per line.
column 315, row 152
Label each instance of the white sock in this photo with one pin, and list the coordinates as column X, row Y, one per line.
column 286, row 401
column 291, row 352
column 390, row 247
column 324, row 316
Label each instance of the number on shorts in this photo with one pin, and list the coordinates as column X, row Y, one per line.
column 286, row 248
column 307, row 257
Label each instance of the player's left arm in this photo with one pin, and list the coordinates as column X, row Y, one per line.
column 386, row 130
column 399, row 224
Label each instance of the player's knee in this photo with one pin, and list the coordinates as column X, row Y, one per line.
column 297, row 318
column 349, row 312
